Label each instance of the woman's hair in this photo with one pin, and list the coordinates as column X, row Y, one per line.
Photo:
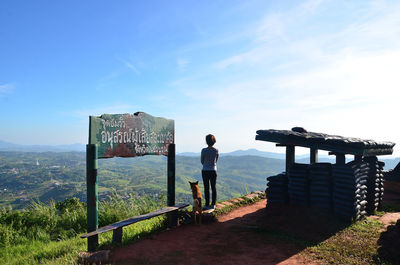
column 210, row 139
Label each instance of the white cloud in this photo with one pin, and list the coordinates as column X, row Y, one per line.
column 182, row 64
column 279, row 34
column 129, row 65
column 6, row 89
column 343, row 82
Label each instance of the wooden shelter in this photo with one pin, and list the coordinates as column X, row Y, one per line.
column 351, row 189
column 336, row 145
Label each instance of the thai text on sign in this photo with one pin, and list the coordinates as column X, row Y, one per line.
column 129, row 135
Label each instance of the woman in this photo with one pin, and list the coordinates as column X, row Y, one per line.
column 209, row 158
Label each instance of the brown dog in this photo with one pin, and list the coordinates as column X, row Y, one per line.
column 197, row 207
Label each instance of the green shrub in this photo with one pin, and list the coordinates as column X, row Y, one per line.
column 117, row 208
column 70, row 205
column 7, row 235
column 26, row 233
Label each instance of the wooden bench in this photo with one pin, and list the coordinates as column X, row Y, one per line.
column 117, row 227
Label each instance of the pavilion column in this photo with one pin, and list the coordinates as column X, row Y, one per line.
column 340, row 159
column 358, row 158
column 290, row 156
column 313, row 155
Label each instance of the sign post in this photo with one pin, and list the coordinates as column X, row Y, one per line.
column 92, row 194
column 126, row 135
column 172, row 217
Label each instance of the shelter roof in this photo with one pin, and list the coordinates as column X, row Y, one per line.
column 334, row 143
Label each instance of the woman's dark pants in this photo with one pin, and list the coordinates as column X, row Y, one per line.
column 209, row 177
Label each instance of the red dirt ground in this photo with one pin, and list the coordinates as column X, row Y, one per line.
column 233, row 239
column 253, row 234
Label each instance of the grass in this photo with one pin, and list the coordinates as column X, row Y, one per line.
column 66, row 251
column 228, row 208
column 134, row 232
column 356, row 244
column 39, row 252
column 325, row 239
column 50, row 233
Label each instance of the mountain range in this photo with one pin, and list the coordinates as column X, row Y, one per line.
column 77, row 147
column 7, row 146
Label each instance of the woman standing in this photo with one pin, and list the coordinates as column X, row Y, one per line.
column 209, row 158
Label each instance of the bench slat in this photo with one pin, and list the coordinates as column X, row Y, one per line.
column 135, row 219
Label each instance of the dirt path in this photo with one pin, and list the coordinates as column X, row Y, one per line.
column 387, row 219
column 234, row 239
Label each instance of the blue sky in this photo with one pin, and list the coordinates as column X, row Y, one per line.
column 223, row 67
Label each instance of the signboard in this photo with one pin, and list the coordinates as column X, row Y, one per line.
column 129, row 135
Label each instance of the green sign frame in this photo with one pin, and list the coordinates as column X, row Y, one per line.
column 130, row 135
column 126, row 135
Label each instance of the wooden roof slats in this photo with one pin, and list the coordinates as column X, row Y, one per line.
column 322, row 141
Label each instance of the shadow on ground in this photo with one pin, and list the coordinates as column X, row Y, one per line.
column 248, row 235
column 299, row 224
column 389, row 243
column 389, row 240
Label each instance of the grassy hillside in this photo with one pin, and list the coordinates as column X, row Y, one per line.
column 56, row 176
column 49, row 234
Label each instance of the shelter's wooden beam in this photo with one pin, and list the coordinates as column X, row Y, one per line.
column 376, row 152
column 321, row 146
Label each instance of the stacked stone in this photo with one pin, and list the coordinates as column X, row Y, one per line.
column 375, row 184
column 277, row 188
column 380, row 178
column 320, row 176
column 350, row 190
column 298, row 187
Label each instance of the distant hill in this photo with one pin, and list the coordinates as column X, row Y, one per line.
column 391, row 163
column 55, row 176
column 248, row 152
column 11, row 147
column 58, row 175
column 255, row 152
column 188, row 154
column 6, row 146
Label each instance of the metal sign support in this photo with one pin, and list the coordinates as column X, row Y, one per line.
column 92, row 194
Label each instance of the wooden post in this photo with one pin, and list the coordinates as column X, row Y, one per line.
column 313, row 155
column 173, row 216
column 117, row 236
column 290, row 157
column 92, row 194
column 340, row 159
column 358, row 158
